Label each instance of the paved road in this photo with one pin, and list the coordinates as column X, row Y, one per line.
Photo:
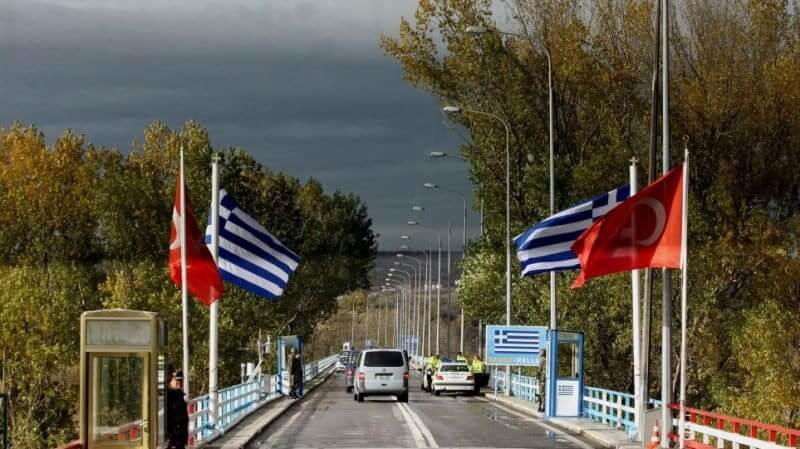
column 330, row 417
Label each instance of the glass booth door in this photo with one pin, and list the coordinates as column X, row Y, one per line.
column 118, row 401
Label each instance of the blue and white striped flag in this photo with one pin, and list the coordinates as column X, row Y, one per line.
column 249, row 256
column 547, row 246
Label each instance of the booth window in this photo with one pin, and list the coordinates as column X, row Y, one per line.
column 118, row 397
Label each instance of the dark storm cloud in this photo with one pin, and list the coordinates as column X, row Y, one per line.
column 301, row 84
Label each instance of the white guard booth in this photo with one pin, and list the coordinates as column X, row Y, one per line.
column 564, row 374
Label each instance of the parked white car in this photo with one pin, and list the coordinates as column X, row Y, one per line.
column 455, row 377
column 341, row 362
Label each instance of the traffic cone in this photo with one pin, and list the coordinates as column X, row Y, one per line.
column 655, row 439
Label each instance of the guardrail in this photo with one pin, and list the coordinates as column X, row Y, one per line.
column 721, row 431
column 614, row 408
column 238, row 401
column 4, row 421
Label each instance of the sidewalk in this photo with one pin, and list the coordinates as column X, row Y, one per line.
column 252, row 426
column 602, row 434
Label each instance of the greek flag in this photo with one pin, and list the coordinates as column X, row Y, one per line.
column 516, row 341
column 249, row 256
column 547, row 246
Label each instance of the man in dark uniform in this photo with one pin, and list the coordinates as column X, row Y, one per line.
column 177, row 413
column 297, row 375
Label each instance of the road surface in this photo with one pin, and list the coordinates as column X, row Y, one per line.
column 330, row 417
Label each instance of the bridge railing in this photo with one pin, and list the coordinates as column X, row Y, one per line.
column 238, row 401
column 708, row 430
column 607, row 406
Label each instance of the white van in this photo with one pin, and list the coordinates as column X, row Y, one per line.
column 381, row 372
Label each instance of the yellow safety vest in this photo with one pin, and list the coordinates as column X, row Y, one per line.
column 477, row 367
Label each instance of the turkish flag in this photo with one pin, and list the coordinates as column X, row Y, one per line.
column 203, row 278
column 642, row 232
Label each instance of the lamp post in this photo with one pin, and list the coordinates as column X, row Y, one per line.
column 430, row 185
column 427, row 293
column 394, row 274
column 479, row 30
column 459, row 110
column 413, row 328
column 411, row 274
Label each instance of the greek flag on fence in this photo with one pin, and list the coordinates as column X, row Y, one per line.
column 249, row 256
column 547, row 246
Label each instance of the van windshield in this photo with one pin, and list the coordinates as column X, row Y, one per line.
column 384, row 358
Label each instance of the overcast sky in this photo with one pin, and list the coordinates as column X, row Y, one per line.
column 302, row 84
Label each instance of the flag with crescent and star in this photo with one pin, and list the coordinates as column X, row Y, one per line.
column 642, row 232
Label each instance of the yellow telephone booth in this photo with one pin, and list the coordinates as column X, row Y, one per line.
column 122, row 380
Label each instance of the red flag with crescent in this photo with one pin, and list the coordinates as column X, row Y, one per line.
column 203, row 279
column 642, row 232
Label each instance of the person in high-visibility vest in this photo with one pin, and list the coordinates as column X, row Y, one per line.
column 460, row 358
column 432, row 366
column 477, row 368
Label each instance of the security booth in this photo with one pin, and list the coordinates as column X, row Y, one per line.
column 564, row 374
column 285, row 345
column 122, row 380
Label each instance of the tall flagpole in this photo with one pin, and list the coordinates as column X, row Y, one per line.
column 213, row 334
column 637, row 359
column 438, row 292
column 184, row 286
column 666, row 301
column 647, row 309
column 684, row 300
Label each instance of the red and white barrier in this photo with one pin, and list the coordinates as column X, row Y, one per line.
column 709, row 430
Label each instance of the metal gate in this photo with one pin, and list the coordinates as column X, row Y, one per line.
column 4, row 421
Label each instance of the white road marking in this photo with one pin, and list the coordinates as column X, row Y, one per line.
column 422, row 427
column 541, row 424
column 274, row 437
column 418, row 438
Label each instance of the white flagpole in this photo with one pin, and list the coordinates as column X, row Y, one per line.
column 637, row 359
column 684, row 302
column 184, row 285
column 213, row 334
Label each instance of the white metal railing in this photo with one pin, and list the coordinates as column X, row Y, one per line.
column 239, row 401
column 525, row 387
column 614, row 408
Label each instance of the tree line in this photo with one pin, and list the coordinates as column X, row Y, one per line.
column 735, row 105
column 85, row 227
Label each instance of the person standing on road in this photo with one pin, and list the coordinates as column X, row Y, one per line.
column 542, row 378
column 477, row 369
column 177, row 413
column 297, row 375
column 460, row 358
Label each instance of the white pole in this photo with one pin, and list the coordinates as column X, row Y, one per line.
column 508, row 245
column 553, row 298
column 438, row 292
column 213, row 334
column 666, row 302
column 637, row 361
column 684, row 299
column 184, row 286
column 463, row 255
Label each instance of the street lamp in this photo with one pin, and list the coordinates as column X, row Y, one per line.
column 459, row 110
column 478, row 30
column 430, row 185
